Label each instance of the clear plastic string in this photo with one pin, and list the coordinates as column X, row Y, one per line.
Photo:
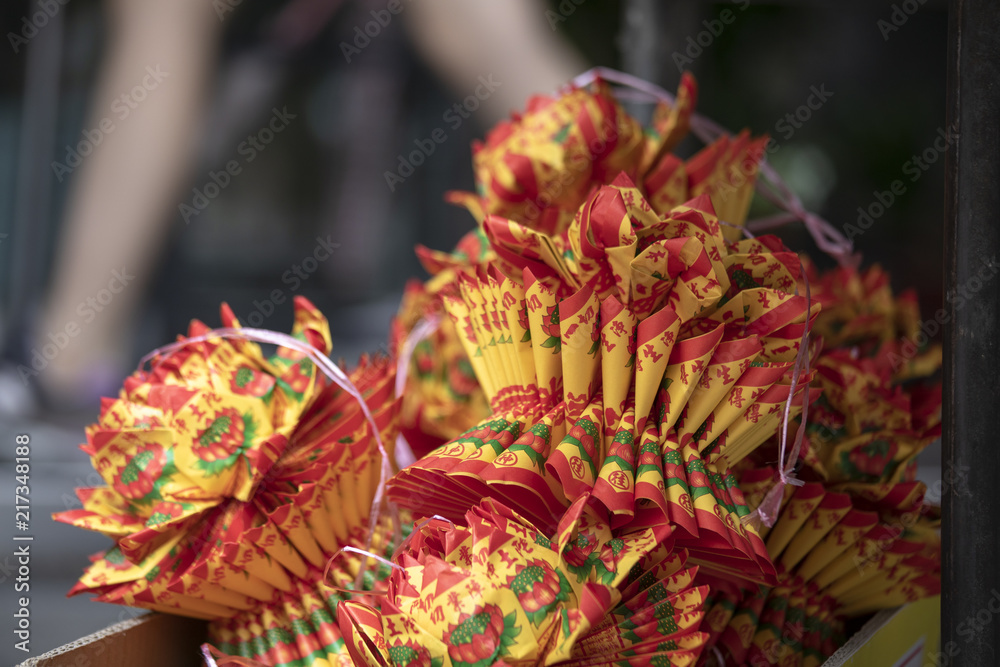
column 357, row 590
column 423, row 329
column 368, row 554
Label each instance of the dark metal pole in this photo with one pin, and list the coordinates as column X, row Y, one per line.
column 970, row 619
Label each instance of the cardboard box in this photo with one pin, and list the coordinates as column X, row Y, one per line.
column 153, row 640
column 902, row 637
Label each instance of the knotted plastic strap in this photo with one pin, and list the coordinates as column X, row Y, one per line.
column 767, row 511
column 330, row 369
column 772, row 187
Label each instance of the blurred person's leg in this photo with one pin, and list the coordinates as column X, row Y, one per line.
column 150, row 91
column 512, row 40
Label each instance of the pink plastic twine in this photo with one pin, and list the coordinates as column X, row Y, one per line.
column 767, row 511
column 772, row 187
column 423, row 329
column 746, row 232
column 330, row 369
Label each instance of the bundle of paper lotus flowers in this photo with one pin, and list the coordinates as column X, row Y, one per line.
column 596, row 382
column 540, row 167
column 880, row 406
column 232, row 479
column 498, row 590
column 841, row 551
column 633, row 357
column 538, row 170
column 768, row 626
column 857, row 537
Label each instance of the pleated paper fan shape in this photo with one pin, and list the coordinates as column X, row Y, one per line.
column 769, row 626
column 231, row 480
column 841, row 551
column 880, row 404
column 866, row 427
column 538, row 168
column 868, row 546
column 502, row 592
column 634, row 369
column 442, row 398
column 298, row 627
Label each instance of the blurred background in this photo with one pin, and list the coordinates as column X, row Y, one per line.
column 159, row 158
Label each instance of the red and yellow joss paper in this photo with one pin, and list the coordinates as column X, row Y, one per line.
column 231, row 480
column 498, row 590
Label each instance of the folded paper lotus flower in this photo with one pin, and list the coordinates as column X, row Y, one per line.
column 841, row 551
column 537, row 170
column 880, row 404
column 865, row 427
column 634, row 359
column 860, row 311
column 232, row 479
column 501, row 591
column 856, row 537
